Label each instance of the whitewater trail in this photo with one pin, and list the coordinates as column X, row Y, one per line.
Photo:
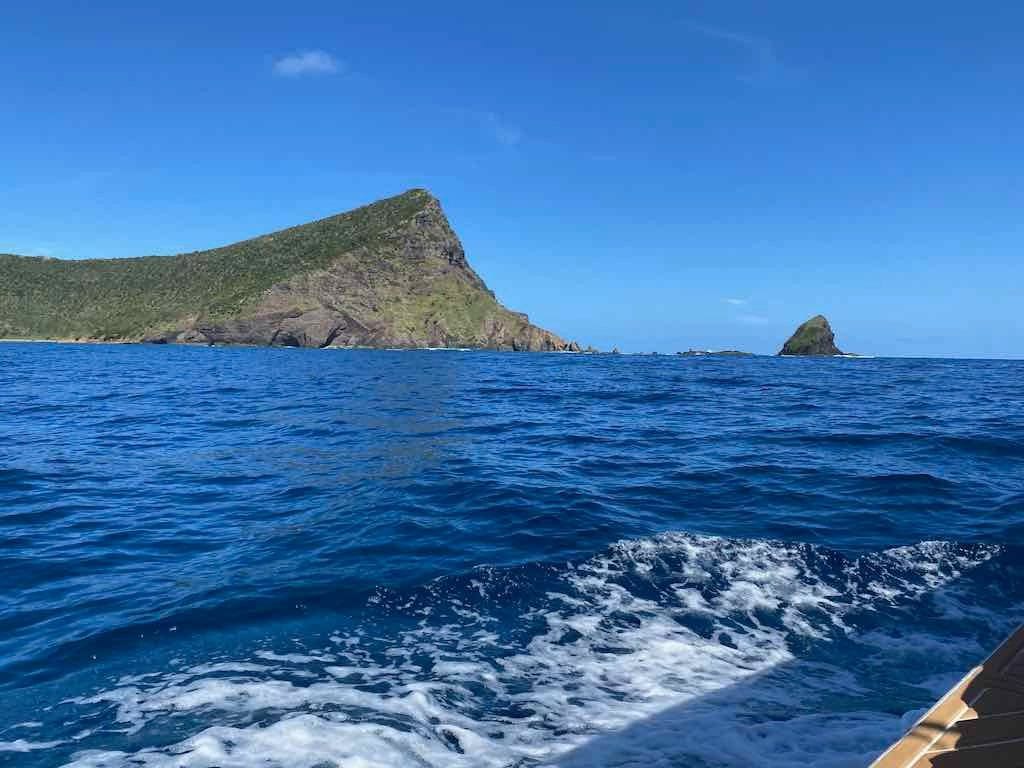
column 630, row 658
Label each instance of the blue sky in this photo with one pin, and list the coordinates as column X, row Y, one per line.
column 652, row 175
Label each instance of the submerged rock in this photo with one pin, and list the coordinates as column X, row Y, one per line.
column 814, row 337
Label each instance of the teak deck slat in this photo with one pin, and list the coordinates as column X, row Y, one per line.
column 979, row 723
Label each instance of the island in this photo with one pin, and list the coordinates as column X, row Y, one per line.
column 386, row 275
column 812, row 338
column 714, row 353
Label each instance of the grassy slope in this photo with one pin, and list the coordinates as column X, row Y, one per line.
column 123, row 298
column 460, row 307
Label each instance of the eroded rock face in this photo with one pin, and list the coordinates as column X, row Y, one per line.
column 814, row 337
column 318, row 327
column 413, row 289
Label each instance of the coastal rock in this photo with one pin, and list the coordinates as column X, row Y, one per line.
column 714, row 353
column 814, row 337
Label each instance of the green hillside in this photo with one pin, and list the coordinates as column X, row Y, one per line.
column 124, row 298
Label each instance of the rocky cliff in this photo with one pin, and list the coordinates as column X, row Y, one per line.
column 390, row 274
column 814, row 337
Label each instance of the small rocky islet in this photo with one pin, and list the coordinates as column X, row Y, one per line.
column 814, row 338
column 715, row 353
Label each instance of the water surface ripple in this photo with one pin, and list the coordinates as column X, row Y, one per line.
column 241, row 557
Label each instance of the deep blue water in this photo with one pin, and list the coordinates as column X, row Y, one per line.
column 242, row 557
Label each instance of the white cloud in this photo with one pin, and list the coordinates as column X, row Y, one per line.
column 735, row 302
column 307, row 63
column 503, row 133
column 44, row 250
column 764, row 65
column 488, row 124
column 753, row 319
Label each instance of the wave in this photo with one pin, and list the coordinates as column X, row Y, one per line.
column 635, row 654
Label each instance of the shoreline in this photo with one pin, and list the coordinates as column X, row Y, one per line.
column 485, row 349
column 63, row 341
column 140, row 343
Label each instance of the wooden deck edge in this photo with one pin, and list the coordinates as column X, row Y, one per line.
column 923, row 734
column 938, row 731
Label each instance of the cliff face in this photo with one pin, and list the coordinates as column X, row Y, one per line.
column 391, row 274
column 814, row 337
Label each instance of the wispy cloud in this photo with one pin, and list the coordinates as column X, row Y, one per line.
column 501, row 131
column 735, row 302
column 491, row 125
column 307, row 63
column 765, row 67
column 24, row 250
column 750, row 319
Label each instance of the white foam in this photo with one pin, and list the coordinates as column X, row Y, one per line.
column 612, row 675
column 22, row 745
column 294, row 658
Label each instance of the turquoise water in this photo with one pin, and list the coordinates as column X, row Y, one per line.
column 243, row 557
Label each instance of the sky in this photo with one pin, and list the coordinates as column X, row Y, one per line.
column 647, row 175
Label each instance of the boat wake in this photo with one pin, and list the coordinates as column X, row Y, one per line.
column 672, row 650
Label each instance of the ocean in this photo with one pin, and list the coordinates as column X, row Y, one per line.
column 326, row 558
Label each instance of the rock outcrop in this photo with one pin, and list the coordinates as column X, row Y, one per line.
column 391, row 274
column 715, row 353
column 814, row 337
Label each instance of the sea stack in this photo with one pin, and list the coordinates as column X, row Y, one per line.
column 814, row 337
